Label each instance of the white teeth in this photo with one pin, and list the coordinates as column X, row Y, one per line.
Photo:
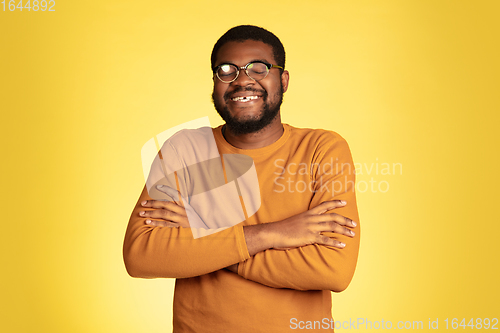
column 244, row 98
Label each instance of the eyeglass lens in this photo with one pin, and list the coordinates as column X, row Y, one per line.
column 256, row 70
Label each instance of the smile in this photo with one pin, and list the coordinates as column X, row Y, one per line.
column 244, row 98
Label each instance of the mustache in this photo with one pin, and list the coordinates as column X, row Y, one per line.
column 228, row 95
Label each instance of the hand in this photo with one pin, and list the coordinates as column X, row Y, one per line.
column 164, row 214
column 301, row 229
column 306, row 228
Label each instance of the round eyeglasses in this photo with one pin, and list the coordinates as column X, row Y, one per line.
column 256, row 70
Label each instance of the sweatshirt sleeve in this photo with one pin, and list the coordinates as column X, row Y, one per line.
column 316, row 267
column 153, row 252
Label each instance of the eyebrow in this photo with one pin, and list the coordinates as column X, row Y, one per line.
column 230, row 63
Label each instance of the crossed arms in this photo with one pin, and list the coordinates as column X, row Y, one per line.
column 313, row 250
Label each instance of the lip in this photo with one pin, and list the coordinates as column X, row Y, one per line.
column 249, row 92
column 245, row 98
column 245, row 94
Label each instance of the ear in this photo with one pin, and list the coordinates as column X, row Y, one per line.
column 285, row 77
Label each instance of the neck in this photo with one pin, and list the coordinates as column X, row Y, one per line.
column 266, row 136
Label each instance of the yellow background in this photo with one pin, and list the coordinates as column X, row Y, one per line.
column 84, row 87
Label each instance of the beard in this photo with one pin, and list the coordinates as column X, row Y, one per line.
column 252, row 124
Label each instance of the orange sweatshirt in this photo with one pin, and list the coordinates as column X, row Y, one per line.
column 275, row 290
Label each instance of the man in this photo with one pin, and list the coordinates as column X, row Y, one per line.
column 275, row 271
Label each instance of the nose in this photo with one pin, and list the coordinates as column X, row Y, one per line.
column 243, row 79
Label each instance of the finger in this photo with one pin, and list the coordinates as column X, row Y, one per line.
column 325, row 240
column 168, row 205
column 342, row 220
column 164, row 214
column 156, row 223
column 336, row 228
column 327, row 205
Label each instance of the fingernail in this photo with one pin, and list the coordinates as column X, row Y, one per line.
column 148, row 221
column 343, row 202
column 142, row 213
column 351, row 232
column 159, row 186
column 341, row 244
column 144, row 203
column 354, row 223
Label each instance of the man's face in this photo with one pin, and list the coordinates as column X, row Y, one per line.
column 252, row 114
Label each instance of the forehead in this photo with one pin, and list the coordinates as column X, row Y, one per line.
column 241, row 53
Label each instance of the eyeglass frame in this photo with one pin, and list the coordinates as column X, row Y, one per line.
column 238, row 68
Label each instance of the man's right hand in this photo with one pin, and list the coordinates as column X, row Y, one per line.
column 301, row 229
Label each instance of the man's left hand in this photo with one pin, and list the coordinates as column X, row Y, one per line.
column 164, row 214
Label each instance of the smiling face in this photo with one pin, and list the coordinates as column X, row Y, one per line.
column 247, row 105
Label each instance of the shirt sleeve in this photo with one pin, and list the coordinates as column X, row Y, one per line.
column 153, row 252
column 316, row 267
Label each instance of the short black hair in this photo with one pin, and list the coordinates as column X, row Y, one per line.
column 242, row 33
